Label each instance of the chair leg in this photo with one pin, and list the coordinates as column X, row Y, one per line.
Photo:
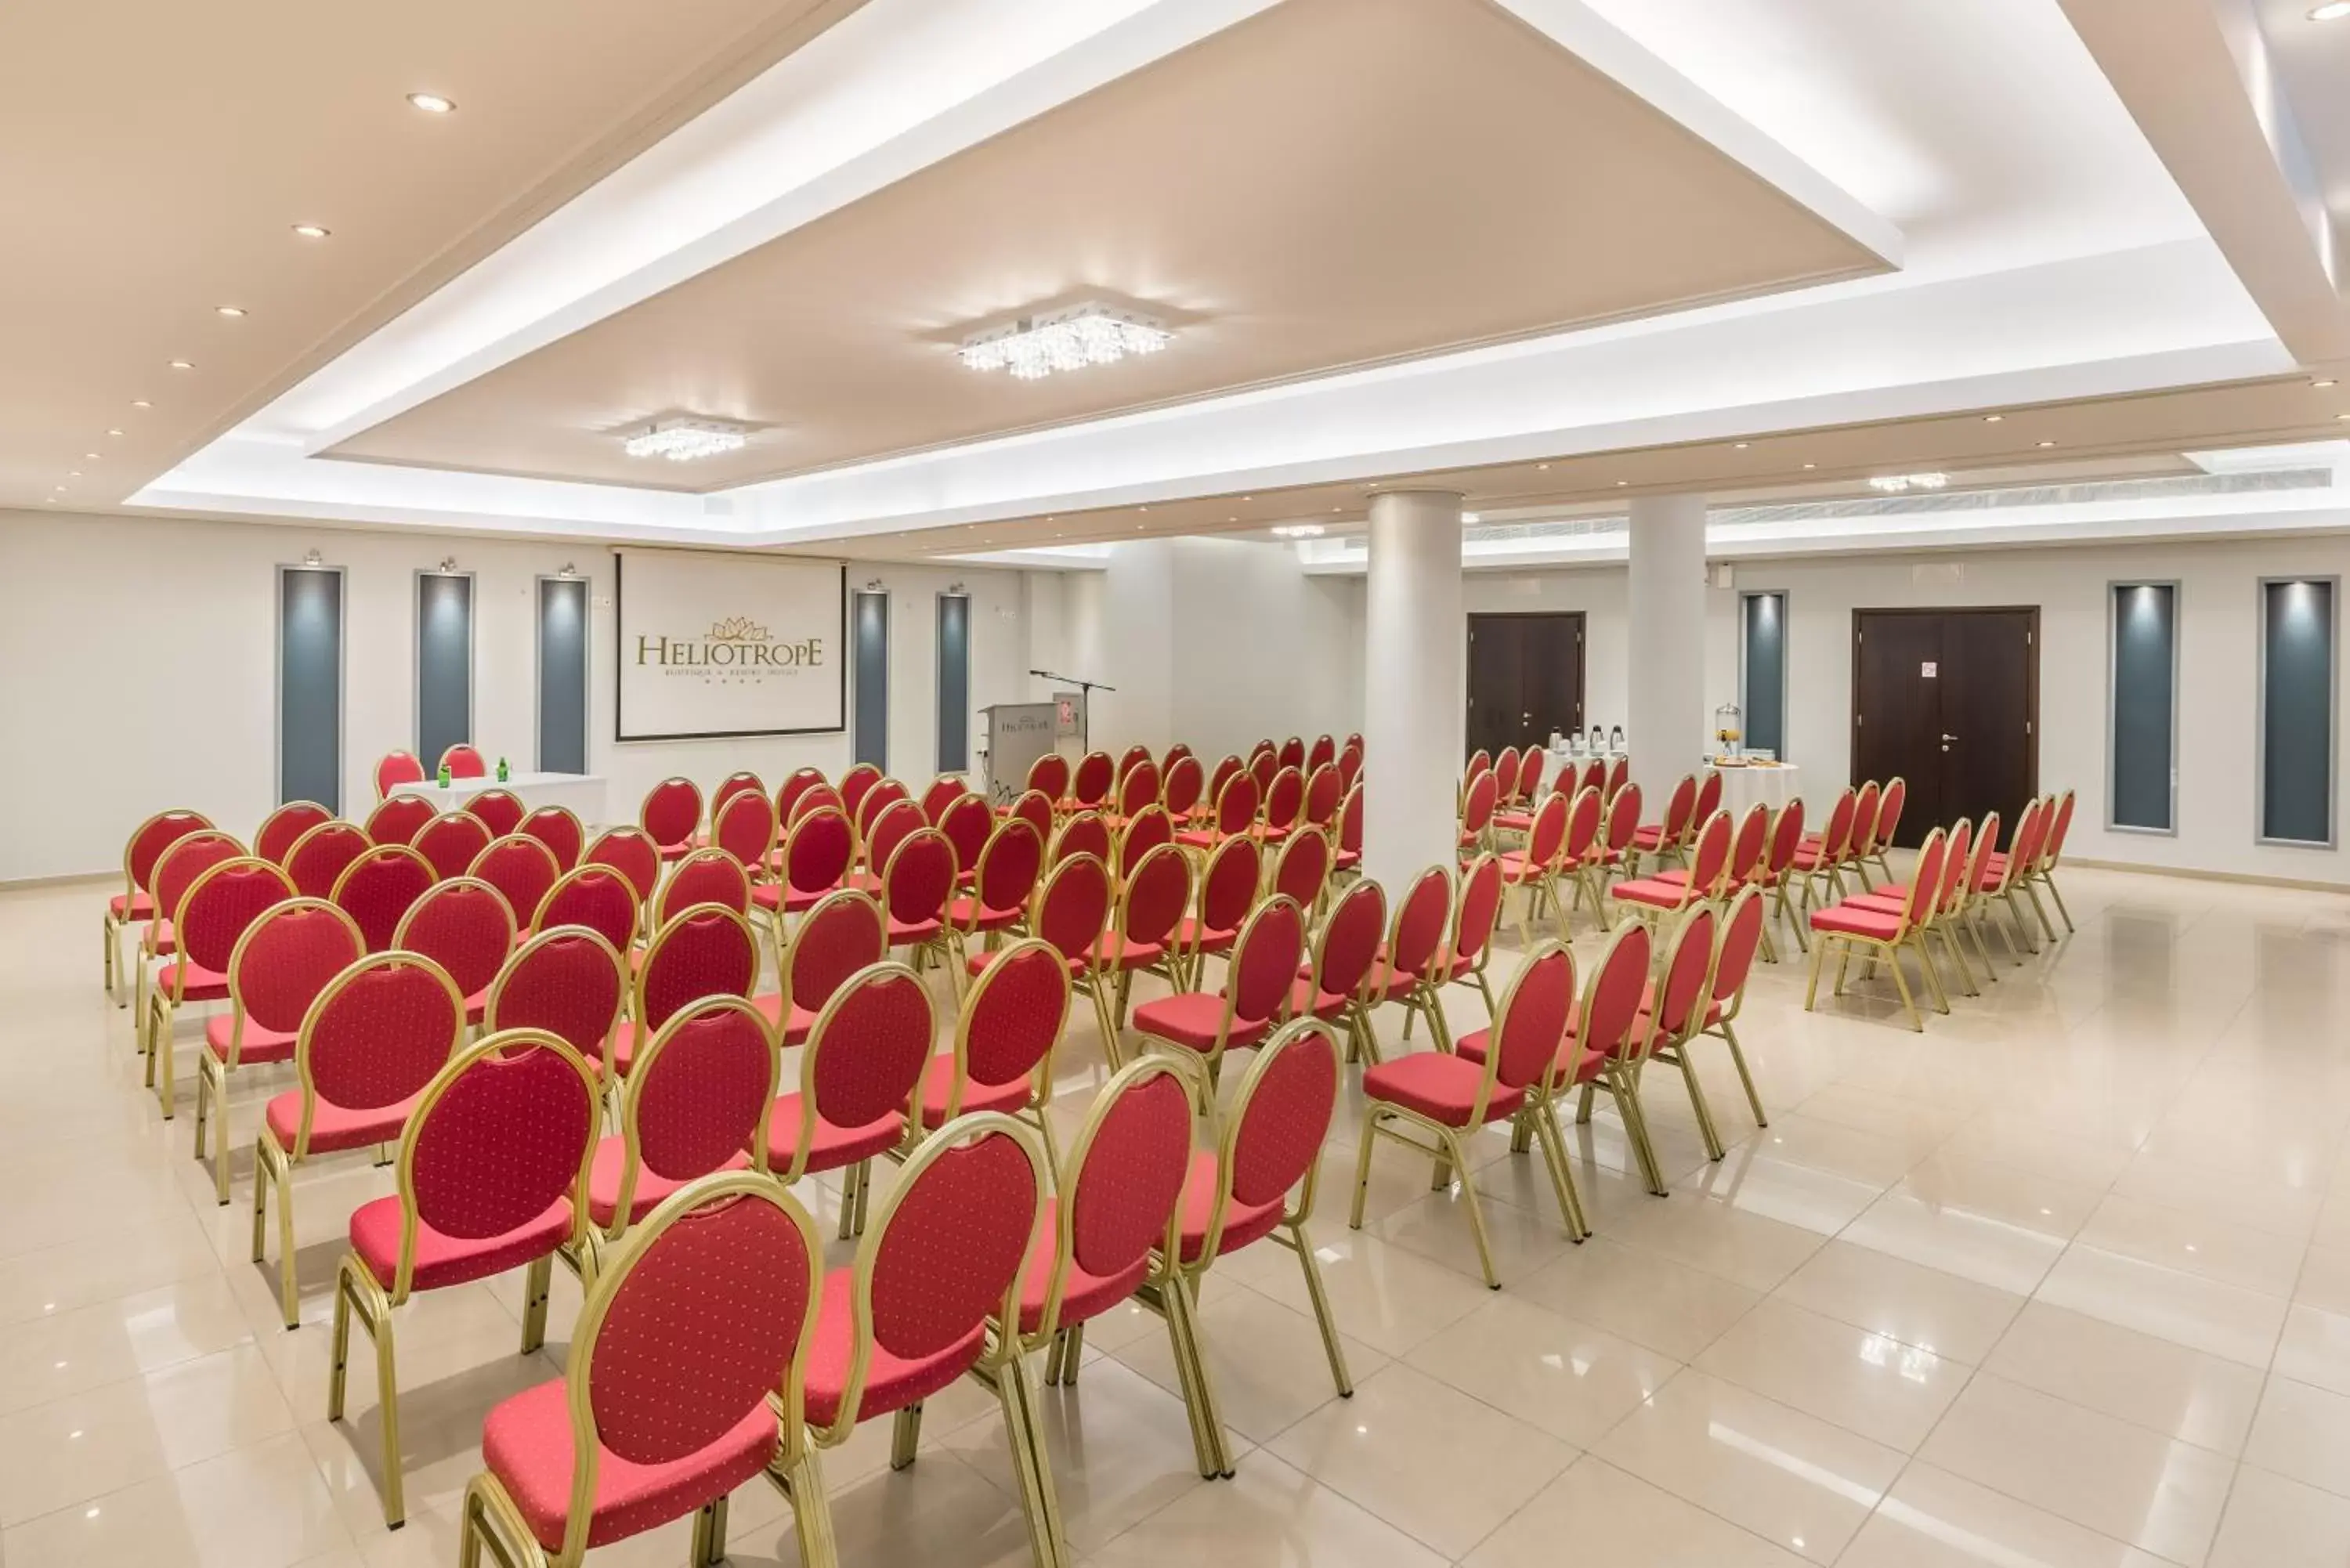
column 1738, row 1059
column 1476, row 1211
column 387, row 1404
column 1698, row 1103
column 1908, row 1003
column 1925, row 961
column 852, row 1183
column 802, row 1482
column 1371, row 1115
column 1627, row 1094
column 1812, row 992
column 1320, row 1298
column 1208, row 1447
column 537, row 1283
column 905, row 1436
column 105, row 927
column 2049, row 877
column 1562, row 1176
column 709, row 1546
column 1030, row 1464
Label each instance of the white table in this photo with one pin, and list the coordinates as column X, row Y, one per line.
column 1773, row 786
column 583, row 793
column 1561, row 761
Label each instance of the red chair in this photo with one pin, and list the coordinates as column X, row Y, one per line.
column 321, row 857
column 1943, row 911
column 1665, row 840
column 135, row 904
column 787, row 794
column 816, row 797
column 1673, row 1010
column 1581, row 857
column 463, row 762
column 1322, row 753
column 1089, row 785
column 1073, row 912
column 1235, row 816
column 1843, row 928
column 967, row 821
column 1506, row 777
column 1284, row 799
column 1147, row 829
column 1739, row 939
column 1207, row 1023
column 916, row 883
column 1226, row 770
column 555, row 827
column 566, row 981
column 1228, row 887
column 595, row 897
column 399, row 819
column 744, row 827
column 941, row 792
column 1340, row 982
column 1481, row 761
column 1179, row 749
column 1183, row 780
column 1704, row 881
column 1002, row 885
column 864, row 1059
column 1475, row 916
column 1888, row 821
column 878, row 801
column 492, row 1177
column 1141, row 938
column 1411, row 960
column 1537, row 867
column 895, row 822
column 1505, row 1078
column 1595, row 776
column 377, row 888
column 1084, row 834
column 1002, row 1058
column 1322, row 795
column 1530, row 774
column 855, row 784
column 1777, row 868
column 816, row 858
column 1708, row 794
column 1819, row 855
column 1619, row 774
column 683, row 1382
column 1048, row 775
column 1263, row 763
column 1035, row 807
column 1301, row 870
column 274, row 840
column 464, row 927
column 501, row 811
column 671, row 815
column 223, row 897
column 370, row 1045
column 707, row 951
column 278, row 967
column 522, row 871
column 1293, row 753
column 2003, row 876
column 1132, row 757
column 1348, row 860
column 1238, row 1194
column 729, row 786
column 943, row 1259
column 705, row 876
column 1862, row 842
column 2042, row 873
column 631, row 852
column 1480, row 796
column 695, row 1106
column 451, row 841
column 845, row 933
column 1607, row 1044
column 395, row 769
column 1350, row 766
column 1137, row 786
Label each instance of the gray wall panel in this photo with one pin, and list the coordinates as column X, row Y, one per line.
column 954, row 683
column 562, row 675
column 445, row 663
column 2145, row 705
column 310, row 685
column 1765, row 660
column 2297, row 634
column 868, row 633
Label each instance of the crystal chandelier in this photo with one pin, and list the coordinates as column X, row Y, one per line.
column 1092, row 334
column 1895, row 483
column 683, row 440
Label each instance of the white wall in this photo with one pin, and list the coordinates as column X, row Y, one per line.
column 136, row 671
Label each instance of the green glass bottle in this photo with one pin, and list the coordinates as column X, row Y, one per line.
column 444, row 772
column 502, row 770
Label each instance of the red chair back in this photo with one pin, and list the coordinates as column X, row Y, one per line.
column 1012, row 1020
column 319, row 858
column 1302, row 868
column 284, row 959
column 788, row 792
column 1546, row 838
column 1158, row 891
column 1954, row 868
column 1746, row 848
column 221, row 905
column 1147, row 830
column 1180, row 791
column 816, row 796
column 1419, row 922
column 1594, row 776
column 1236, row 803
column 2052, row 843
column 186, row 858
column 1529, row 773
column 1228, row 769
column 1976, row 871
column 2030, row 829
column 698, row 1093
column 1265, row 962
column 1619, row 774
column 463, row 762
column 1787, row 834
column 399, row 819
column 1689, row 960
column 1481, row 761
column 1089, row 786
column 1279, row 1119
column 1263, row 764
column 818, row 852
column 1613, row 998
column 1035, row 807
column 671, row 813
column 1008, row 867
column 1505, row 776
column 1710, row 862
column 1480, row 910
column 919, row 878
column 1889, row 809
column 1708, row 794
column 596, row 897
column 846, row 932
column 1350, row 824
column 1742, row 937
column 1582, row 825
column 147, row 842
column 1350, row 766
column 567, row 981
column 885, row 794
column 522, row 871
column 501, row 810
column 1084, row 833
column 1284, row 799
column 1623, row 817
column 555, row 827
column 1322, row 794
column 744, row 827
column 943, row 792
column 395, row 769
column 1323, row 753
column 729, row 786
column 1349, row 944
column 1864, row 819
column 1128, row 759
column 1477, row 801
column 378, row 888
column 376, row 1036
column 1048, row 775
column 1072, row 908
column 464, row 927
column 706, row 950
column 705, row 876
column 1533, row 1017
column 1925, row 882
column 1123, row 1180
column 855, row 785
column 1228, row 887
column 1137, row 786
column 452, row 841
column 967, row 821
column 278, row 832
column 868, row 1048
column 896, row 821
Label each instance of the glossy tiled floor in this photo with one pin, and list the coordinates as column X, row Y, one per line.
column 2065, row 1282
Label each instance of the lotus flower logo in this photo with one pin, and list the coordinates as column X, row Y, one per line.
column 738, row 628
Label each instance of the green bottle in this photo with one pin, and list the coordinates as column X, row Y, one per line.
column 502, row 770
column 444, row 772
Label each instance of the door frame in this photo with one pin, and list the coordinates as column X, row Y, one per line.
column 2030, row 676
column 1582, row 619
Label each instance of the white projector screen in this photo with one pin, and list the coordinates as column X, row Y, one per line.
column 713, row 645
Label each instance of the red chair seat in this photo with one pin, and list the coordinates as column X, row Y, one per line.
column 1243, row 1222
column 336, row 1127
column 677, row 851
column 1199, row 838
column 939, row 1077
column 1651, row 890
column 1842, row 919
column 1082, row 1295
column 1119, row 953
column 202, row 985
column 763, row 895
column 604, row 1183
column 959, row 915
column 1439, row 1086
column 1879, row 903
column 1190, row 1019
column 912, row 933
column 796, row 1030
column 1346, row 860
column 1399, row 983
column 444, row 1260
column 1807, row 857
column 890, row 1383
column 259, row 1045
column 1191, row 935
column 977, row 964
column 139, row 906
column 1996, row 860
column 1307, row 999
column 1517, row 868
column 1471, row 1048
column 1648, row 836
column 833, row 1147
column 477, row 1005
column 526, row 1443
column 1514, row 821
column 157, row 940
column 1265, row 834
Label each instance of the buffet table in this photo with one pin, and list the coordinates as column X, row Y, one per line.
column 582, row 794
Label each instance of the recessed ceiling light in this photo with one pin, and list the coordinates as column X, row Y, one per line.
column 432, row 102
column 141, row 403
column 181, row 365
column 1739, row 445
column 2046, row 443
column 1993, row 419
column 2332, row 11
column 92, row 455
column 114, row 432
column 2341, row 416
column 1470, row 517
column 1543, row 465
column 1811, row 465
column 231, row 311
column 2323, row 382
column 71, row 473
column 1622, row 483
column 312, row 231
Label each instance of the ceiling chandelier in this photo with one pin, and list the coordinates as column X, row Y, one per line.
column 1034, row 346
column 683, row 440
column 1895, row 483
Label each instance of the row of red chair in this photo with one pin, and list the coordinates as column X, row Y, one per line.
column 395, row 769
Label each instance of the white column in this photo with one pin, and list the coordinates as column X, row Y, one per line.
column 1415, row 690
column 1666, row 726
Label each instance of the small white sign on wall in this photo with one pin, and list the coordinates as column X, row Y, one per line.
column 1929, row 669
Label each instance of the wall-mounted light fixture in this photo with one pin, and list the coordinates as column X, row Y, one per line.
column 872, row 585
column 956, row 588
column 568, row 570
column 312, row 558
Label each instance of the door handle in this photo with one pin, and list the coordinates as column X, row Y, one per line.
column 1949, row 737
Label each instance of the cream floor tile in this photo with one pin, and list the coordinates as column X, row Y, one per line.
column 1613, row 1517
column 2269, row 1207
column 941, row 1513
column 1992, row 1251
column 1932, row 1518
column 2153, row 1383
column 1387, row 1297
column 2324, row 1279
column 2187, row 1309
column 2027, row 1199
column 1644, row 1297
column 2316, row 1349
column 69, row 1352
column 1754, row 1181
column 1266, row 1362
column 2105, row 1475
column 1437, row 1228
column 1572, row 1380
column 257, row 1507
column 1708, row 1234
column 1444, row 1469
column 2274, row 1522
column 1863, row 1381
column 1906, row 1302
column 1878, row 1159
column 2215, row 1248
column 1793, row 1480
column 2002, row 1136
column 1267, row 1516
column 121, row 1262
column 2303, row 1433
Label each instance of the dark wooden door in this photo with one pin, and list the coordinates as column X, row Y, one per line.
column 1525, row 678
column 1950, row 700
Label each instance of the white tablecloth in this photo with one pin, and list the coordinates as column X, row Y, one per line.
column 582, row 792
column 1773, row 787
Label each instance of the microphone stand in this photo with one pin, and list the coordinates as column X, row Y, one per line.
column 1086, row 690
